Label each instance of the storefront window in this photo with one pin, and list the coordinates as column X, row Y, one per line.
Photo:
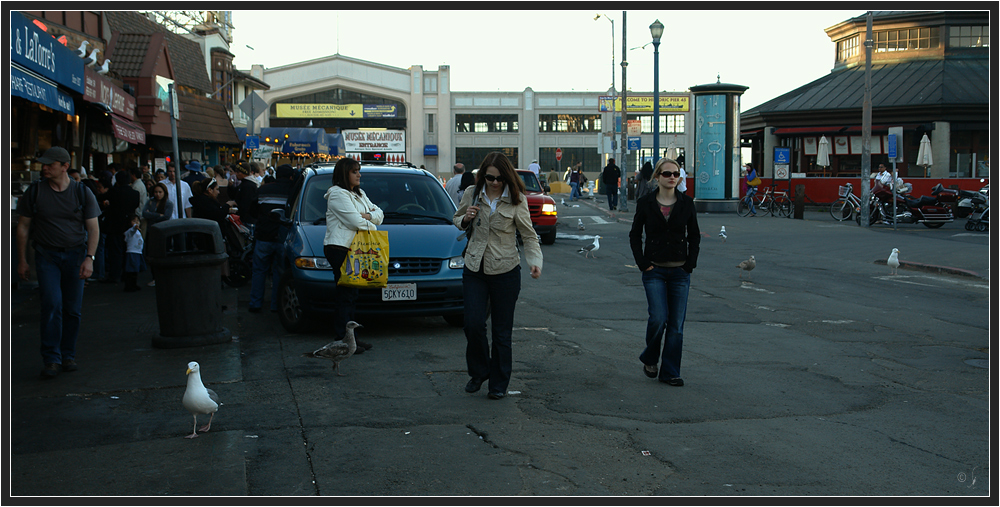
column 486, row 123
column 569, row 123
column 969, row 154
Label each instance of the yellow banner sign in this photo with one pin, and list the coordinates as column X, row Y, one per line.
column 644, row 103
column 319, row 110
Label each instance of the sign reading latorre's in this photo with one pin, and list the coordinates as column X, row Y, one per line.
column 374, row 140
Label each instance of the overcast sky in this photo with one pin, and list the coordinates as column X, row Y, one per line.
column 770, row 51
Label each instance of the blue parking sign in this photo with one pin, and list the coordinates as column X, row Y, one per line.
column 253, row 142
column 634, row 143
column 782, row 155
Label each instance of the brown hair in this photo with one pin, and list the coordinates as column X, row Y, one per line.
column 162, row 204
column 507, row 172
column 341, row 171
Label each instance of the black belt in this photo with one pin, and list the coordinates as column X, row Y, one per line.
column 59, row 249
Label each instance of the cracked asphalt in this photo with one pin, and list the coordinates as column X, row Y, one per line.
column 821, row 375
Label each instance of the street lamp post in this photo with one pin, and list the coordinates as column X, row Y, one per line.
column 612, row 45
column 656, row 29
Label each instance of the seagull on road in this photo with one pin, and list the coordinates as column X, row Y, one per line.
column 198, row 399
column 579, row 224
column 338, row 351
column 722, row 234
column 747, row 266
column 893, row 261
column 591, row 248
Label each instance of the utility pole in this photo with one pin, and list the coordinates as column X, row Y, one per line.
column 866, row 130
column 623, row 189
column 177, row 152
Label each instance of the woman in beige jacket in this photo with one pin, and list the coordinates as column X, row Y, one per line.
column 495, row 209
column 348, row 210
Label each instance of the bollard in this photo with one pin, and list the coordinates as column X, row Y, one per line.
column 800, row 201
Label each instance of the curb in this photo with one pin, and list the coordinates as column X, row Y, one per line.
column 936, row 269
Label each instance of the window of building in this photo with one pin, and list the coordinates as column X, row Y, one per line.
column 969, row 36
column 430, row 84
column 569, row 123
column 848, row 48
column 472, row 157
column 906, row 39
column 430, row 123
column 486, row 123
column 669, row 124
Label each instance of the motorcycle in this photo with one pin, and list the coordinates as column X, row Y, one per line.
column 906, row 210
column 239, row 245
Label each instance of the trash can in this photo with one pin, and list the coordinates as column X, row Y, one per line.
column 186, row 256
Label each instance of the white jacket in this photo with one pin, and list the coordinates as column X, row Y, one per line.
column 343, row 215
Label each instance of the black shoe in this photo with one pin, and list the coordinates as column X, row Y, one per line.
column 69, row 365
column 495, row 396
column 676, row 381
column 651, row 373
column 474, row 385
column 254, row 309
column 363, row 345
column 50, row 371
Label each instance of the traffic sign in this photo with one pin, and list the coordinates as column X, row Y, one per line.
column 634, row 143
column 253, row 106
column 634, row 127
column 891, row 145
column 558, row 154
column 782, row 155
column 252, row 142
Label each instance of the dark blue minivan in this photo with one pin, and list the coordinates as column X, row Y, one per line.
column 425, row 248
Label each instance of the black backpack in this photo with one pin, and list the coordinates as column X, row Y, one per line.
column 81, row 196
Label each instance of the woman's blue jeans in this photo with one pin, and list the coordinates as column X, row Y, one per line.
column 60, row 290
column 574, row 192
column 499, row 294
column 666, row 295
column 749, row 197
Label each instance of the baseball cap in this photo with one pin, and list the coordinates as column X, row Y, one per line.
column 54, row 154
column 284, row 171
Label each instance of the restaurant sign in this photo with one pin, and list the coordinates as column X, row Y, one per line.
column 101, row 89
column 39, row 52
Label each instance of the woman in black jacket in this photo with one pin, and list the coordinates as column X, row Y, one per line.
column 670, row 223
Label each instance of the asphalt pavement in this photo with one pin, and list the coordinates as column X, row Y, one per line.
column 116, row 426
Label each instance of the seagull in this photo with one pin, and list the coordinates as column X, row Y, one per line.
column 579, row 224
column 747, row 266
column 338, row 351
column 722, row 234
column 562, row 201
column 92, row 59
column 82, row 50
column 198, row 399
column 893, row 261
column 104, row 68
column 591, row 248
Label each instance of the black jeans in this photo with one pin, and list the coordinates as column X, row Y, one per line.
column 499, row 293
column 346, row 297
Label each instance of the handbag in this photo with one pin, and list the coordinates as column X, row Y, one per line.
column 754, row 182
column 367, row 262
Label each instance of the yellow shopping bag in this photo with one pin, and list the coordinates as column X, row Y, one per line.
column 367, row 262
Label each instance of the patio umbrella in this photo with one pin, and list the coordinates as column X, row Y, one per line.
column 823, row 154
column 924, row 157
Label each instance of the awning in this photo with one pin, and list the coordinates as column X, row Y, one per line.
column 838, row 129
column 298, row 140
column 127, row 131
column 27, row 84
column 336, row 144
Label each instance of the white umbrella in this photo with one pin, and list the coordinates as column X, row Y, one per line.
column 823, row 155
column 924, row 157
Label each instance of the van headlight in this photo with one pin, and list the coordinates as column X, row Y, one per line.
column 456, row 262
column 312, row 263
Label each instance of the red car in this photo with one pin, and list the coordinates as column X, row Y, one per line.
column 542, row 207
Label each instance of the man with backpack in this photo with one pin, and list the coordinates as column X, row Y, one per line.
column 60, row 216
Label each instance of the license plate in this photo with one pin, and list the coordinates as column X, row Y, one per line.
column 399, row 292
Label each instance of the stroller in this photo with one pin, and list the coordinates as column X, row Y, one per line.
column 979, row 205
column 239, row 245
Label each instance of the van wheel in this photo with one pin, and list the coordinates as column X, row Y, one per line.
column 548, row 238
column 455, row 320
column 293, row 318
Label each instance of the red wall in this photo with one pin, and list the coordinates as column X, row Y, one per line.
column 824, row 190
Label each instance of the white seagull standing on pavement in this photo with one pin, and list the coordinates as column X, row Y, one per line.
column 747, row 266
column 198, row 399
column 339, row 350
column 579, row 224
column 591, row 248
column 722, row 234
column 893, row 261
column 563, row 201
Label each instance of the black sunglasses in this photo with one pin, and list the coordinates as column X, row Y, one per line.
column 669, row 174
column 490, row 178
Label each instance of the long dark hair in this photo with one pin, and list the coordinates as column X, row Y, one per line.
column 507, row 172
column 342, row 170
column 161, row 205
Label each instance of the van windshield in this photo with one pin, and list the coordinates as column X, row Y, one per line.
column 401, row 197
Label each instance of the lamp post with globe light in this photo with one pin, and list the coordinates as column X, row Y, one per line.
column 656, row 30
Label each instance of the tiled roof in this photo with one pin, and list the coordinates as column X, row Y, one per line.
column 186, row 56
column 130, row 54
column 952, row 82
column 204, row 119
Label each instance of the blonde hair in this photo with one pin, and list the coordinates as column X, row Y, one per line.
column 659, row 167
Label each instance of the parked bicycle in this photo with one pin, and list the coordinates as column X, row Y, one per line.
column 770, row 201
column 847, row 205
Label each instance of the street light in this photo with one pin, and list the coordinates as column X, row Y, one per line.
column 656, row 30
column 612, row 45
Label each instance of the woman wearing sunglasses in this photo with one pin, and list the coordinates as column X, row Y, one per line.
column 668, row 218
column 495, row 209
